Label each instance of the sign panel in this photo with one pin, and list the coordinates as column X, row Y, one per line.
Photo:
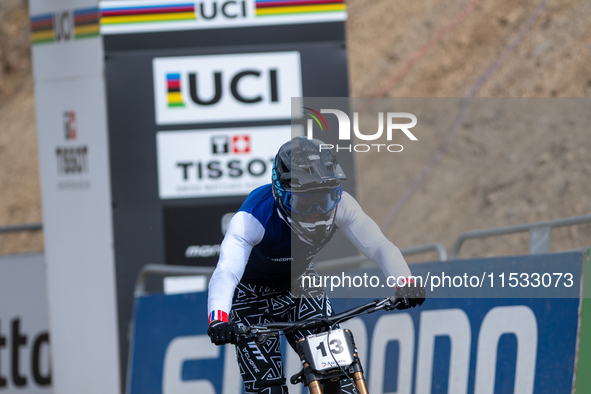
column 191, row 68
column 219, row 162
column 456, row 345
column 133, row 16
column 221, row 88
column 449, row 345
column 24, row 333
column 65, row 38
column 78, row 232
column 192, row 235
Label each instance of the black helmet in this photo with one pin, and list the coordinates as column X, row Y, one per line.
column 307, row 188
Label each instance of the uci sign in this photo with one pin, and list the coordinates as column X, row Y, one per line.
column 226, row 88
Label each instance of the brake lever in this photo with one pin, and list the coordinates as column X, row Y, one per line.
column 261, row 339
column 388, row 304
column 260, row 334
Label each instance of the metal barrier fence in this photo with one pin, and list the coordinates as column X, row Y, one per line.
column 21, row 227
column 343, row 263
column 167, row 270
column 539, row 233
column 361, row 261
column 539, row 242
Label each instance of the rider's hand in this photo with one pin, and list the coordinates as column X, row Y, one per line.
column 411, row 295
column 221, row 332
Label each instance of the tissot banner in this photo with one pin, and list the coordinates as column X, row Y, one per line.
column 219, row 162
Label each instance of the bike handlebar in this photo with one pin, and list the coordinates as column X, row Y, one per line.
column 265, row 330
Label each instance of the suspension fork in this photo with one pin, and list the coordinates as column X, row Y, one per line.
column 309, row 377
column 359, row 381
column 358, row 377
column 314, row 384
column 315, row 387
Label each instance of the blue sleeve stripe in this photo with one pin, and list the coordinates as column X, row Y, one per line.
column 259, row 204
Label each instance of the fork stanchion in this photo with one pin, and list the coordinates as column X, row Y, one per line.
column 359, row 380
column 315, row 388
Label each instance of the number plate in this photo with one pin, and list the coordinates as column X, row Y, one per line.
column 329, row 350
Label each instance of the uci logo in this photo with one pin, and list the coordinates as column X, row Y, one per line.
column 248, row 86
column 63, row 26
column 212, row 10
column 344, row 122
column 222, row 84
column 223, row 88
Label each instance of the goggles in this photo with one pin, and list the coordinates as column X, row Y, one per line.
column 321, row 201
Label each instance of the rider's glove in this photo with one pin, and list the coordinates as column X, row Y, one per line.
column 411, row 295
column 221, row 332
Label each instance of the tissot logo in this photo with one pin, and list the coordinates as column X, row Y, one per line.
column 70, row 125
column 72, row 155
column 71, row 159
column 344, row 131
column 217, row 162
column 220, row 88
column 220, row 144
column 237, row 144
column 218, row 168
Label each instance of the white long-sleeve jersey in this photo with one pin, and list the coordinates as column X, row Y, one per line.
column 257, row 248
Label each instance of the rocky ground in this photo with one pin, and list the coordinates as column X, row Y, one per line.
column 492, row 175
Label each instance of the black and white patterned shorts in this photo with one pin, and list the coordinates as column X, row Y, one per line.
column 261, row 366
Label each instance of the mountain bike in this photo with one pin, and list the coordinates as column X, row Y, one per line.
column 329, row 354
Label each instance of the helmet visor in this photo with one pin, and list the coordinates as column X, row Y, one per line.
column 320, row 201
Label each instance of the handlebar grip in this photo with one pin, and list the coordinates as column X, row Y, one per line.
column 243, row 330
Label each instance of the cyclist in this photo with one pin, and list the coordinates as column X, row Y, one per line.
column 252, row 281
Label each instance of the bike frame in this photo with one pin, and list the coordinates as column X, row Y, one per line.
column 310, row 375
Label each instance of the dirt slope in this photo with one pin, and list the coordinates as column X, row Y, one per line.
column 486, row 179
column 20, row 192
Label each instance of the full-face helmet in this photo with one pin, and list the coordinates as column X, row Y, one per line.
column 307, row 187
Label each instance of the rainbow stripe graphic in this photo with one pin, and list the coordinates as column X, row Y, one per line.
column 42, row 29
column 86, row 22
column 315, row 115
column 148, row 14
column 173, row 84
column 291, row 7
